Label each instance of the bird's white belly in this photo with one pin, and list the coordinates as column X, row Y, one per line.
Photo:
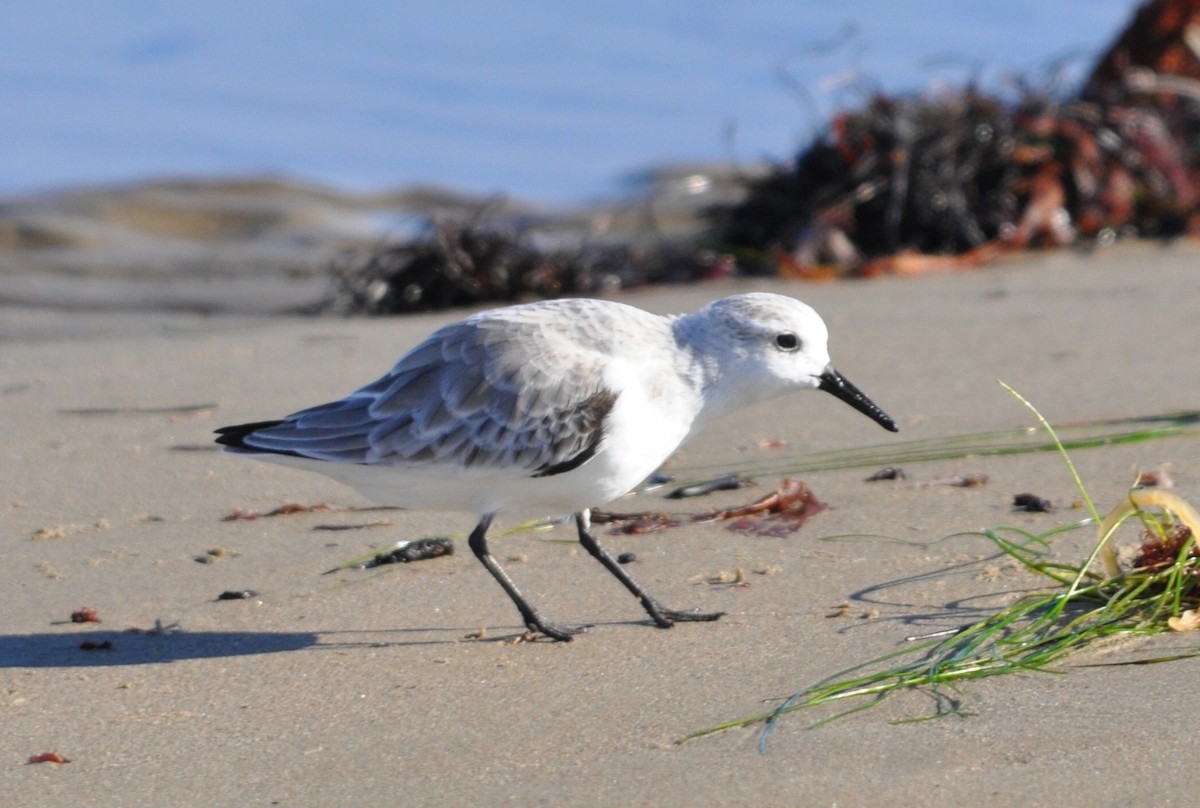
column 639, row 436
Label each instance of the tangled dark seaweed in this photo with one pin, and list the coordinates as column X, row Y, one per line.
column 961, row 173
column 462, row 264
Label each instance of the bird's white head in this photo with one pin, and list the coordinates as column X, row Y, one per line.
column 758, row 346
column 778, row 340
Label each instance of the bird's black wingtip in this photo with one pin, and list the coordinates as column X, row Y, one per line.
column 235, row 436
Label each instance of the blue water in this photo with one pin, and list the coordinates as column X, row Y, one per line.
column 554, row 102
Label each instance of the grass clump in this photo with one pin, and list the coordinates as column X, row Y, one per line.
column 1085, row 602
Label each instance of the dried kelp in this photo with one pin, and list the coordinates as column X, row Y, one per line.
column 971, row 174
column 468, row 263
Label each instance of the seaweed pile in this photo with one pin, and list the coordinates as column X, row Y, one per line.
column 467, row 263
column 903, row 181
column 903, row 184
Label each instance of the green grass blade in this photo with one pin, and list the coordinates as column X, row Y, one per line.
column 1032, row 633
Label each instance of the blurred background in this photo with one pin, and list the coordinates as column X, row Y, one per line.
column 552, row 103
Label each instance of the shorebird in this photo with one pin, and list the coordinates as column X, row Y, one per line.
column 551, row 408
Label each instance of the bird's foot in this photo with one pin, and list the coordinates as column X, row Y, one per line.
column 555, row 631
column 665, row 618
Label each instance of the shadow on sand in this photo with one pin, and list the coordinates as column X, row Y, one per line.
column 65, row 650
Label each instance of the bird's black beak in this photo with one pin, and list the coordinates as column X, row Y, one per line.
column 837, row 384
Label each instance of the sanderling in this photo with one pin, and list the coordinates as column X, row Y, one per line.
column 551, row 408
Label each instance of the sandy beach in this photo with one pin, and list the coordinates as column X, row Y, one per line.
column 353, row 689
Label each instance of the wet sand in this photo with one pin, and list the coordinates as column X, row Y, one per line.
column 347, row 688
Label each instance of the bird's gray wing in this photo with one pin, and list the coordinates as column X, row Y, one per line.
column 475, row 394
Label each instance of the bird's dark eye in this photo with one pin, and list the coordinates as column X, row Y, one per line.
column 787, row 341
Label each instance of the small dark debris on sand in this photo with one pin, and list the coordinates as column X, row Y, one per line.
column 92, row 645
column 408, row 552
column 632, row 524
column 240, row 514
column 1031, row 503
column 355, row 526
column 727, row 482
column 779, row 513
column 238, row 594
column 214, row 554
column 85, row 615
column 973, row 480
column 48, row 757
column 184, row 410
column 160, row 628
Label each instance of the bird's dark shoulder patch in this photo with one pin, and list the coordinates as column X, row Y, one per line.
column 586, row 422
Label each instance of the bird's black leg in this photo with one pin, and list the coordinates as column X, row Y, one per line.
column 534, row 621
column 664, row 618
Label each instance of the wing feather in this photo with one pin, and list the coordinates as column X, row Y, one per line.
column 480, row 393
